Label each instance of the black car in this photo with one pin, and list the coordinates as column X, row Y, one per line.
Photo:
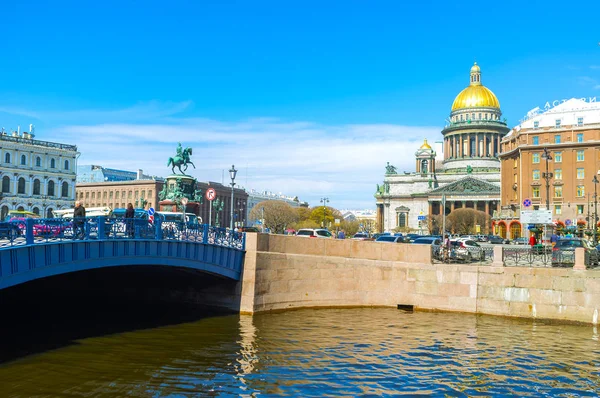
column 9, row 230
column 498, row 240
column 563, row 252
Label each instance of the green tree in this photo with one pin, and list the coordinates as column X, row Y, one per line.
column 278, row 215
column 463, row 221
column 325, row 216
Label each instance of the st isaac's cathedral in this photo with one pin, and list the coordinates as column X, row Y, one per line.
column 467, row 175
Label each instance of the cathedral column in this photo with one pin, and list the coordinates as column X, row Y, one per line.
column 452, row 206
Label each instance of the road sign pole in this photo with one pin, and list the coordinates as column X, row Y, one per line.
column 443, row 217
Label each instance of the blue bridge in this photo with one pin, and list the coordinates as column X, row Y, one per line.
column 32, row 249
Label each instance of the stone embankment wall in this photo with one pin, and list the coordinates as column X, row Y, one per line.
column 285, row 272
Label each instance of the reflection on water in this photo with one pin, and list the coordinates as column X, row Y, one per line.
column 347, row 352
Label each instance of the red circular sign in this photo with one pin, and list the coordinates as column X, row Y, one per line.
column 211, row 194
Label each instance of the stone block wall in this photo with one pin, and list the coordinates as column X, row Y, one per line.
column 285, row 272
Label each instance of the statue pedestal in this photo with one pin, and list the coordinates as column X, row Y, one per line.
column 176, row 187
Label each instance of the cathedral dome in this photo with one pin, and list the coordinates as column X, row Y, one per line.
column 476, row 95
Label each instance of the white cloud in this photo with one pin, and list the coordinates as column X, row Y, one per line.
column 308, row 160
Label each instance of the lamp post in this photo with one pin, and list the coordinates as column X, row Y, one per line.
column 324, row 201
column 547, row 176
column 232, row 173
column 595, row 181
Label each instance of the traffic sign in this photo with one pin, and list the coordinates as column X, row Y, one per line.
column 151, row 219
column 211, row 194
column 421, row 218
column 536, row 217
column 568, row 222
column 527, row 203
column 151, row 211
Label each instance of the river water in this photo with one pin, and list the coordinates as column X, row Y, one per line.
column 328, row 352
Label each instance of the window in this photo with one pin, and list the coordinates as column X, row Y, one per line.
column 579, row 209
column 536, row 174
column 137, row 194
column 21, row 186
column 580, row 121
column 7, row 158
column 66, row 165
column 402, row 220
column 580, row 191
column 580, row 173
column 558, row 174
column 36, row 187
column 557, row 123
column 480, row 116
column 558, row 192
column 536, row 192
column 536, row 140
column 580, row 137
column 52, row 163
column 557, row 157
column 536, row 157
column 557, row 139
column 93, row 195
column 64, row 191
column 557, row 209
column 50, row 188
column 23, row 160
column 580, row 156
column 38, row 162
column 5, row 184
column 143, row 193
column 149, row 193
column 87, row 195
column 129, row 194
column 536, row 125
column 110, row 195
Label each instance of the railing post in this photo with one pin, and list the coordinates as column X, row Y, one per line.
column 29, row 231
column 205, row 233
column 158, row 229
column 101, row 227
column 498, row 256
column 579, row 260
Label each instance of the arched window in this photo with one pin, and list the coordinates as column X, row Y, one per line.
column 50, row 188
column 52, row 163
column 424, row 164
column 49, row 213
column 5, row 185
column 21, row 208
column 66, row 165
column 7, row 158
column 21, row 186
column 36, row 211
column 36, row 187
column 64, row 191
column 3, row 212
column 38, row 162
column 23, row 160
column 402, row 220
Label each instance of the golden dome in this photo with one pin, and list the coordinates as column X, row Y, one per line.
column 425, row 145
column 476, row 95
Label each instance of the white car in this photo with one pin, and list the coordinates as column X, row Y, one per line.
column 314, row 233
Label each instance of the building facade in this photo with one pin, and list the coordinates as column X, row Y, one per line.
column 462, row 172
column 37, row 176
column 94, row 173
column 552, row 160
column 116, row 194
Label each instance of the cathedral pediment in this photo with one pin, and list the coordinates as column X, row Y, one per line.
column 468, row 185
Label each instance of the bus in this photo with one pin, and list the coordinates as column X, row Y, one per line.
column 20, row 214
column 89, row 212
column 191, row 220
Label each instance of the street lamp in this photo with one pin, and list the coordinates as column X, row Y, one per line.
column 324, row 201
column 547, row 176
column 595, row 181
column 232, row 173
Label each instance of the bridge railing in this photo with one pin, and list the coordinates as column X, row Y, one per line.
column 32, row 231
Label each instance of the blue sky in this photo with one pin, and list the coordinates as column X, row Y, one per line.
column 307, row 98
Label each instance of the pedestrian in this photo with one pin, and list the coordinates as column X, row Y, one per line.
column 341, row 234
column 532, row 240
column 553, row 238
column 78, row 221
column 129, row 215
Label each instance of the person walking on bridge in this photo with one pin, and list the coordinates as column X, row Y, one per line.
column 129, row 215
column 78, row 221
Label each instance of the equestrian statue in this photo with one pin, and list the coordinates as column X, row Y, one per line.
column 181, row 159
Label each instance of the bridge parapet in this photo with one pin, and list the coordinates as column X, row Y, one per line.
column 30, row 231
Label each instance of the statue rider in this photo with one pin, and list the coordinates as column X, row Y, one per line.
column 179, row 150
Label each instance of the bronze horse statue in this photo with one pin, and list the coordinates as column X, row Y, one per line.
column 181, row 160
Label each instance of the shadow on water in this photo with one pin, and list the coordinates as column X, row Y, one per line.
column 55, row 312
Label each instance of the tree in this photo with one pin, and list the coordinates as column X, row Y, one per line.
column 277, row 215
column 463, row 221
column 325, row 215
column 435, row 224
column 350, row 227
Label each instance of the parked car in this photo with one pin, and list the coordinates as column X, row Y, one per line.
column 314, row 233
column 377, row 235
column 428, row 240
column 9, row 230
column 360, row 236
column 390, row 239
column 468, row 250
column 563, row 252
column 411, row 237
column 250, row 229
column 520, row 241
column 497, row 240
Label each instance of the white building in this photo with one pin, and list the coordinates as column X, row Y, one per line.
column 37, row 176
column 255, row 197
column 468, row 176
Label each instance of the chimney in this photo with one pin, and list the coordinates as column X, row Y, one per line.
column 140, row 174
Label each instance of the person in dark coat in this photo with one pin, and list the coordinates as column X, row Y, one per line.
column 129, row 215
column 78, row 221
